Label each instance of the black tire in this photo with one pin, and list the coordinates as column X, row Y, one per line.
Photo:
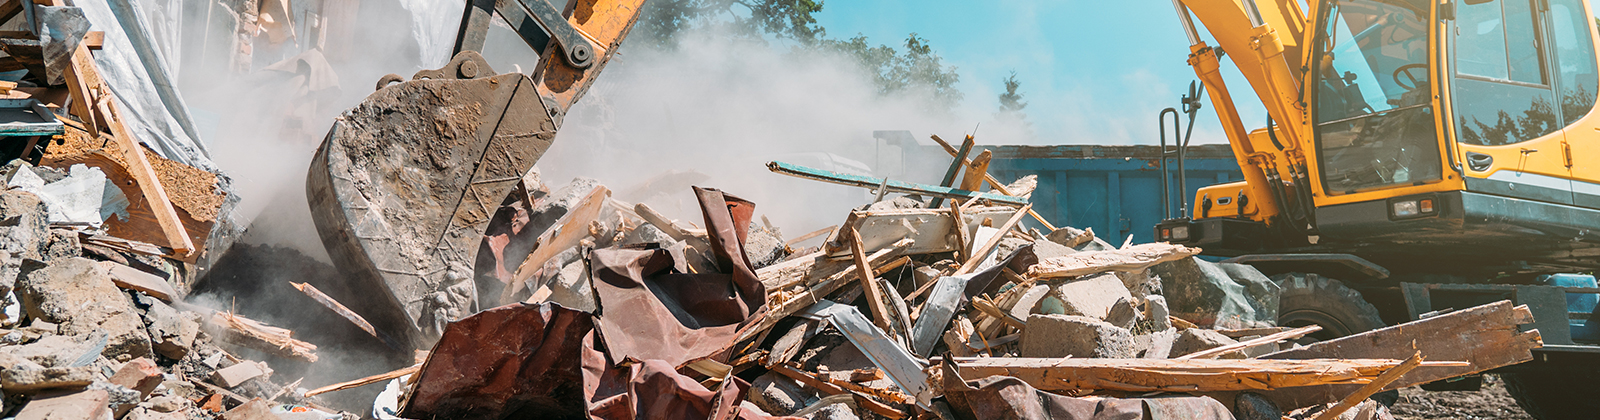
column 1554, row 395
column 1309, row 299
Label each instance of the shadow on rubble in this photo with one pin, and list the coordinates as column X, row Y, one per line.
column 255, row 281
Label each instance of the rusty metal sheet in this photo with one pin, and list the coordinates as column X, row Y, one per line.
column 521, row 359
column 659, row 311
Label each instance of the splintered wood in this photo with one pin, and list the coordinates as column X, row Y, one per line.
column 250, row 333
column 1172, row 375
column 1133, row 258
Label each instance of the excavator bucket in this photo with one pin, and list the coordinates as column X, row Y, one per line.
column 405, row 183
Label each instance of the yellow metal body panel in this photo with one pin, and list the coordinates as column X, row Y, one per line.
column 1582, row 138
column 1224, row 199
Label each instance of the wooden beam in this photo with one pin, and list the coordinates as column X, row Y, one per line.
column 806, row 237
column 955, row 167
column 869, row 283
column 564, row 234
column 249, row 333
column 1173, row 375
column 1133, row 258
column 1376, row 386
column 1486, row 337
column 831, row 389
column 782, row 304
column 94, row 39
column 998, row 186
column 83, row 86
column 149, row 182
column 1273, row 338
column 364, row 381
column 978, row 255
column 990, row 309
column 977, row 169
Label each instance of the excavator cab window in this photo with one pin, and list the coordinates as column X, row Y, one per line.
column 1374, row 116
column 1503, row 93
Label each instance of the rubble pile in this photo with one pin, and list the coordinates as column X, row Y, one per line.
column 93, row 332
column 960, row 314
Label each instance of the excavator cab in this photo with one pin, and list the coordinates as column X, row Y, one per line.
column 1409, row 132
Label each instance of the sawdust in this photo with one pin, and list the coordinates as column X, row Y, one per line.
column 191, row 189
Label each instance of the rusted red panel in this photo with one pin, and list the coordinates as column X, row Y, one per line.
column 519, row 358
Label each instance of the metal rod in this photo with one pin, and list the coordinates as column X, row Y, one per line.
column 1253, row 13
column 1187, row 22
column 893, row 186
column 1166, row 176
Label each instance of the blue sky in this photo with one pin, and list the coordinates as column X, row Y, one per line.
column 1092, row 71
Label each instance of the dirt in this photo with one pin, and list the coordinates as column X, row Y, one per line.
column 191, row 189
column 1490, row 402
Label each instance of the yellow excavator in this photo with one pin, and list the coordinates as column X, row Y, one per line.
column 1419, row 156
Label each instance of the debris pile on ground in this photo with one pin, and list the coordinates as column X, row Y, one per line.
column 904, row 309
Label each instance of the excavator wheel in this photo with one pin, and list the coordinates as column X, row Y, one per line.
column 1309, row 298
column 1555, row 394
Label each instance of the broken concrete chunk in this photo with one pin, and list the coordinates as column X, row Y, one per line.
column 140, row 374
column 1076, row 336
column 1196, row 340
column 56, row 350
column 1158, row 345
column 1122, row 314
column 1070, row 237
column 837, row 411
column 1091, row 297
column 237, row 374
column 779, row 395
column 79, row 294
column 1210, row 295
column 571, row 288
column 29, row 380
column 256, row 409
column 122, row 399
column 1155, row 310
column 1049, row 249
column 24, row 238
column 82, row 405
column 901, row 202
column 763, row 246
column 172, row 333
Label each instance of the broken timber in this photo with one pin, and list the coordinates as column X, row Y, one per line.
column 1486, row 337
column 1173, row 375
column 565, row 233
column 1134, row 258
column 931, row 230
column 892, row 185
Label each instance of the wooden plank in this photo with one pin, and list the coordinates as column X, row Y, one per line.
column 958, row 228
column 83, row 84
column 990, row 309
column 783, row 304
column 564, row 234
column 1130, row 259
column 1367, row 390
column 147, row 179
column 982, row 253
column 94, row 39
column 660, row 221
column 875, row 302
column 955, row 168
column 132, row 279
column 831, row 389
column 1269, row 339
column 1485, row 336
column 977, row 169
column 1173, row 375
column 364, row 381
column 998, row 186
column 230, row 328
column 931, row 230
column 806, row 237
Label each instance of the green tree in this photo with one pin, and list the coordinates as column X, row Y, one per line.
column 917, row 71
column 1011, row 100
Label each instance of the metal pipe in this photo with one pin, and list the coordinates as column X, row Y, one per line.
column 1166, row 194
column 1252, row 12
column 1187, row 22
